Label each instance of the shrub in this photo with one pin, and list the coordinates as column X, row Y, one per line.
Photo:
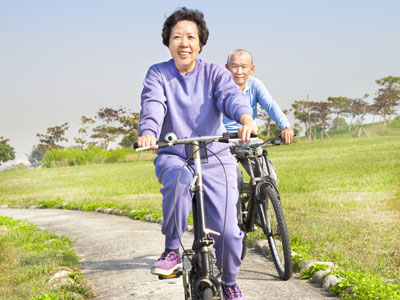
column 75, row 156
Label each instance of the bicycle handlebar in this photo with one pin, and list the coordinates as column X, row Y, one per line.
column 225, row 138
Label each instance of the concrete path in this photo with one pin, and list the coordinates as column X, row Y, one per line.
column 116, row 254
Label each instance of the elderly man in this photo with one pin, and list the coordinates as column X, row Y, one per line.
column 240, row 64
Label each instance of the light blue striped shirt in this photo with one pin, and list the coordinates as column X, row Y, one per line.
column 256, row 92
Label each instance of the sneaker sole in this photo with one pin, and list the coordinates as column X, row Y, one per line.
column 156, row 271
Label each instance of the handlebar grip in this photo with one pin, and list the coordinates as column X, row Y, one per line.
column 160, row 144
column 234, row 135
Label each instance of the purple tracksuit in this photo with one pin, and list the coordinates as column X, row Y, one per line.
column 191, row 105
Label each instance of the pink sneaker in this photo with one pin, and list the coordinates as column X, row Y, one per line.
column 167, row 263
column 233, row 293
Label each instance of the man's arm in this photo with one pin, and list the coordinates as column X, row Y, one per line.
column 272, row 108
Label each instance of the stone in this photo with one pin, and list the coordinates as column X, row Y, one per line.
column 108, row 211
column 60, row 278
column 318, row 278
column 330, row 281
column 307, row 264
column 148, row 218
column 262, row 247
column 161, row 221
column 117, row 212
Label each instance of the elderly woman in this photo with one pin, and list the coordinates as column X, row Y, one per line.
column 188, row 96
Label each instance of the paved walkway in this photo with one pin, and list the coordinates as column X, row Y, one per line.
column 116, row 254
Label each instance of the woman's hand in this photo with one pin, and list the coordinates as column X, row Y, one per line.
column 249, row 127
column 146, row 140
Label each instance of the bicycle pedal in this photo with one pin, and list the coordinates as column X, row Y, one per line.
column 176, row 274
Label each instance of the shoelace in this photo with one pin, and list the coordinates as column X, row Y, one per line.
column 233, row 291
column 170, row 256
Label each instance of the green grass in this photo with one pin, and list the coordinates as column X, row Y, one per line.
column 341, row 196
column 341, row 199
column 28, row 256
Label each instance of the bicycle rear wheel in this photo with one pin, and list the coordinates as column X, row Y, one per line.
column 274, row 227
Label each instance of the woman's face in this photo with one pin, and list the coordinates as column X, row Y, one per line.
column 184, row 45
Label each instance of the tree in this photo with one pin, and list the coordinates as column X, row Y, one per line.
column 387, row 98
column 129, row 128
column 54, row 136
column 340, row 106
column 359, row 108
column 83, row 131
column 304, row 112
column 322, row 111
column 107, row 132
column 36, row 155
column 263, row 116
column 6, row 151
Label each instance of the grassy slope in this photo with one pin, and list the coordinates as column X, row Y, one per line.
column 341, row 196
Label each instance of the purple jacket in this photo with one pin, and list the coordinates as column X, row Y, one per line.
column 189, row 104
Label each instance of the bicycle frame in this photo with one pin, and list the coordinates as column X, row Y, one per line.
column 252, row 188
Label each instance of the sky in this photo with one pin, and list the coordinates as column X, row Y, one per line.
column 60, row 60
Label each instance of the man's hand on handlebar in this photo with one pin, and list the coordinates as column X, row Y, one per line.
column 287, row 135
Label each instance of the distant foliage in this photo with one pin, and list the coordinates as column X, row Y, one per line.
column 76, row 156
column 6, row 151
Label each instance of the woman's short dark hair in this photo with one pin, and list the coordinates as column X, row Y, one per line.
column 185, row 14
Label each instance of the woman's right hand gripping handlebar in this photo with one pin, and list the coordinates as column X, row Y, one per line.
column 248, row 127
column 146, row 141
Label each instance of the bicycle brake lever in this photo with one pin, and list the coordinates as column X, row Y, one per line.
column 209, row 231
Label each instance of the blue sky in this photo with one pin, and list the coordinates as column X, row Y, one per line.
column 60, row 60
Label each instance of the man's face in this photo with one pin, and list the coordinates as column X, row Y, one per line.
column 241, row 68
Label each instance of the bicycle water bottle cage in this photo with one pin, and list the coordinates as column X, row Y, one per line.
column 203, row 153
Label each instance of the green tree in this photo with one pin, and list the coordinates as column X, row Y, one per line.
column 129, row 128
column 322, row 111
column 304, row 111
column 6, row 151
column 263, row 116
column 83, row 131
column 108, row 131
column 36, row 155
column 387, row 97
column 360, row 108
column 340, row 106
column 54, row 136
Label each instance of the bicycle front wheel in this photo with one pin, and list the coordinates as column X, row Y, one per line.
column 208, row 294
column 274, row 227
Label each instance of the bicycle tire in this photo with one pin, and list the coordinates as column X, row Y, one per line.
column 244, row 246
column 275, row 229
column 208, row 294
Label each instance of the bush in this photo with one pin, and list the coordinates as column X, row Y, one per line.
column 75, row 156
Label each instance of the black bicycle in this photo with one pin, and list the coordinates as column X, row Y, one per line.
column 259, row 203
column 199, row 280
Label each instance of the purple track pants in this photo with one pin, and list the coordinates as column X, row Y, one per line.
column 214, row 184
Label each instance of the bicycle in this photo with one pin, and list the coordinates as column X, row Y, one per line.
column 260, row 204
column 199, row 281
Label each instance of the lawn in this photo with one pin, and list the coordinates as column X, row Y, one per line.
column 341, row 196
